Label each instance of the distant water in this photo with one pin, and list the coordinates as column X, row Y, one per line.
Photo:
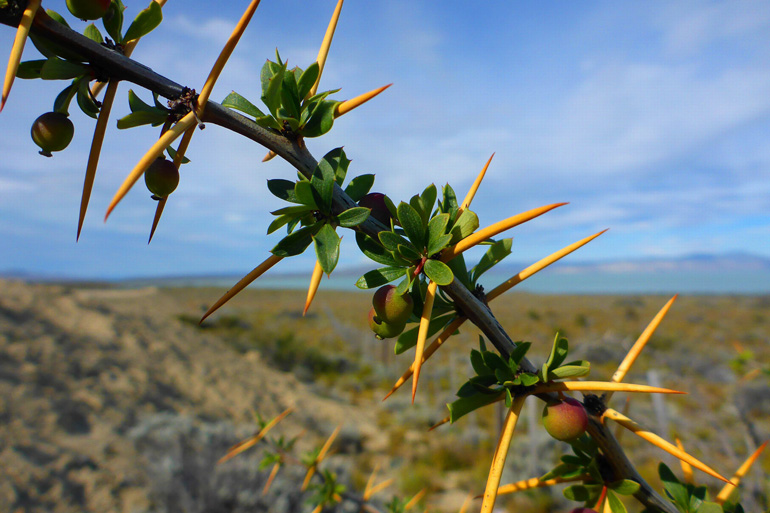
column 561, row 282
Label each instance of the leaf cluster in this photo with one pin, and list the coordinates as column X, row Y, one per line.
column 689, row 498
column 287, row 95
column 328, row 491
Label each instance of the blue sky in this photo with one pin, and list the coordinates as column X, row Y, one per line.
column 651, row 118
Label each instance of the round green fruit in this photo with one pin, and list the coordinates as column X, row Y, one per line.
column 52, row 131
column 565, row 420
column 391, row 307
column 379, row 209
column 161, row 177
column 382, row 329
column 88, row 9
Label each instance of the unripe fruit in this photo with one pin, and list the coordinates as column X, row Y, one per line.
column 88, row 9
column 565, row 420
column 161, row 177
column 376, row 202
column 52, row 131
column 391, row 307
column 384, row 329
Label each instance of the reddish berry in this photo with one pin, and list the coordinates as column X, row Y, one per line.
column 565, row 420
column 376, row 202
column 391, row 307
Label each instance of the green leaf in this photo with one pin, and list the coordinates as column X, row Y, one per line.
column 306, row 81
column 428, row 199
column 290, row 100
column 238, row 102
column 359, row 187
column 56, row 16
column 339, row 163
column 559, row 351
column 57, row 69
column 353, row 216
column 449, row 202
column 392, row 240
column 269, row 122
column 438, row 271
column 615, row 505
column 562, row 470
column 379, row 277
column 624, row 487
column 113, row 21
column 465, row 405
column 408, row 253
column 327, row 248
column 272, row 96
column 373, row 250
column 278, row 222
column 323, row 183
column 528, row 379
column 403, row 286
column 568, row 371
column 145, row 22
column 412, row 223
column 438, row 239
column 676, row 490
column 30, row 69
column 303, row 191
column 296, row 242
column 140, row 118
column 292, row 210
column 466, row 224
column 85, row 101
column 578, row 493
column 282, row 189
column 408, row 339
column 479, row 365
column 496, row 252
column 63, row 99
column 92, row 33
column 321, row 120
column 136, row 104
column 517, row 355
column 709, row 507
column 460, row 270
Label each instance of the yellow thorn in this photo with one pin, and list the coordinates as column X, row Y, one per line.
column 253, row 440
column 422, row 334
column 498, row 461
column 599, row 386
column 270, row 155
column 370, row 481
column 379, row 487
column 348, row 105
column 18, row 48
column 753, row 373
column 154, row 152
column 413, row 501
column 323, row 52
column 315, row 281
column 96, row 148
column 539, row 266
column 490, row 231
column 529, row 484
column 156, row 219
column 443, row 337
column 318, row 509
column 270, row 478
column 440, row 423
column 243, row 283
column 633, row 353
column 224, row 55
column 660, row 442
column 475, row 187
column 466, row 503
column 725, row 492
column 686, row 467
column 319, row 458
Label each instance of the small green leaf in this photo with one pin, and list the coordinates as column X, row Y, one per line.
column 465, row 405
column 303, row 191
column 278, row 222
column 379, row 277
column 392, row 240
column 438, row 271
column 321, row 120
column 412, row 223
column 297, row 242
column 709, row 507
column 466, row 224
column 408, row 253
column 479, row 366
column 624, row 487
column 449, row 202
column 113, row 21
column 327, row 248
column 140, row 118
column 238, row 102
column 353, row 216
column 272, row 96
column 408, row 339
column 373, row 250
column 306, row 81
column 339, row 163
column 292, row 210
column 269, row 122
column 578, row 493
column 568, row 371
column 517, row 355
column 290, row 100
column 403, row 286
column 496, row 252
column 323, row 180
column 85, row 101
column 359, row 187
column 282, row 189
column 675, row 489
column 460, row 270
column 428, row 199
column 92, row 33
column 437, row 234
column 57, row 69
column 528, row 379
column 145, row 22
column 30, row 69
column 56, row 16
column 559, row 351
column 562, row 470
column 63, row 99
column 616, row 506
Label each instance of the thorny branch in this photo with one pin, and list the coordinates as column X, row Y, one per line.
column 112, row 64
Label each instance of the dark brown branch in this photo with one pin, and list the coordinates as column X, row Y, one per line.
column 112, row 64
